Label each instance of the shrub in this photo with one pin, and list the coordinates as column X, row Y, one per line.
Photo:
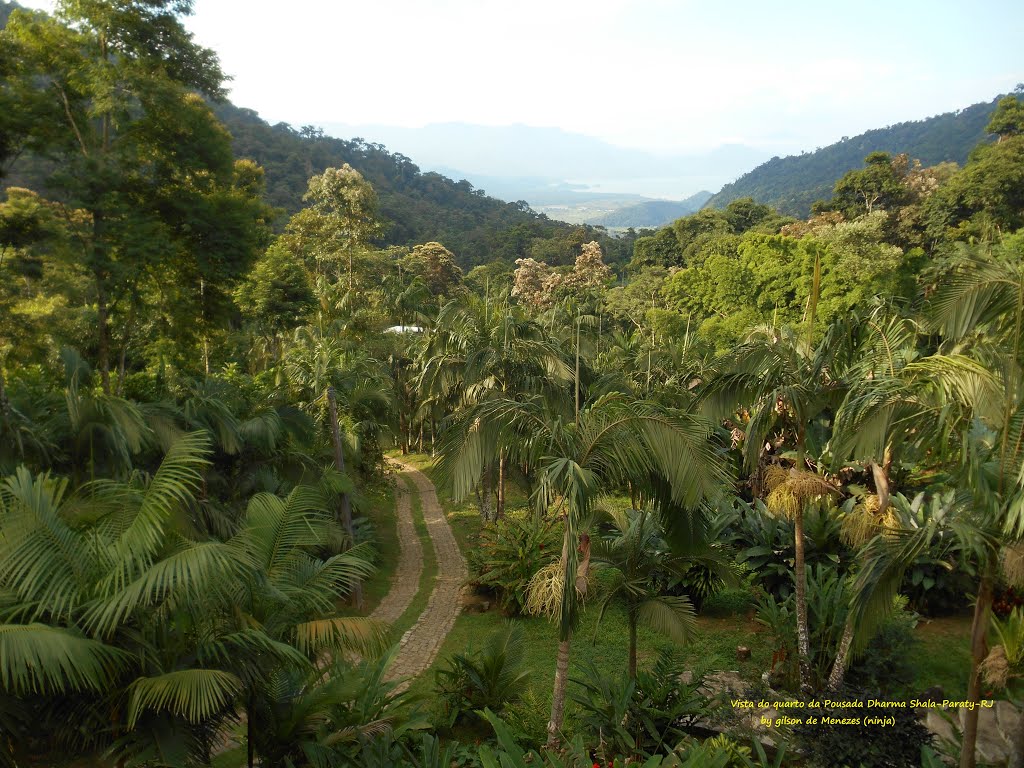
column 641, row 717
column 857, row 746
column 765, row 543
column 491, row 677
column 510, row 553
column 886, row 664
column 730, row 602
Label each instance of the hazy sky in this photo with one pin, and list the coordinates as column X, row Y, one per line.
column 654, row 74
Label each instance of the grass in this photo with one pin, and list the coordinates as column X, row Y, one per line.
column 941, row 659
column 379, row 508
column 944, row 656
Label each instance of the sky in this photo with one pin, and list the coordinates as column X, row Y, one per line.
column 660, row 75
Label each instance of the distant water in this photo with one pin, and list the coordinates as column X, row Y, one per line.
column 669, row 188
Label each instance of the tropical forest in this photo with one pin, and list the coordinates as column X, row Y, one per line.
column 310, row 458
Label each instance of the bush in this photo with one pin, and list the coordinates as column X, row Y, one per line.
column 492, row 677
column 887, row 664
column 643, row 717
column 510, row 553
column 826, row 613
column 859, row 746
column 940, row 576
column 765, row 543
column 730, row 602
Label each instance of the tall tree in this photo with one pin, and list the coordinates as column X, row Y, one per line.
column 785, row 382
column 340, row 218
column 112, row 87
column 614, row 442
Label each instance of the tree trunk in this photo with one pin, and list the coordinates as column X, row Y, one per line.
column 346, row 503
column 558, row 695
column 835, row 680
column 880, row 474
column 499, row 512
column 5, row 405
column 632, row 646
column 485, row 496
column 250, row 748
column 103, row 340
column 979, row 649
column 802, row 635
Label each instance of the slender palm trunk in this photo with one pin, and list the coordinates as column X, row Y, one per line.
column 485, row 496
column 561, row 668
column 632, row 645
column 5, row 405
column 803, row 642
column 103, row 326
column 880, row 473
column 558, row 695
column 835, row 680
column 979, row 649
column 500, row 510
column 250, row 747
column 346, row 503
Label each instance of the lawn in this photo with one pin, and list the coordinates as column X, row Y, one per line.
column 942, row 657
column 378, row 506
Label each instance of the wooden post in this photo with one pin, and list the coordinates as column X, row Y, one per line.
column 346, row 503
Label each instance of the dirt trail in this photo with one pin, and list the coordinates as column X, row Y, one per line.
column 422, row 642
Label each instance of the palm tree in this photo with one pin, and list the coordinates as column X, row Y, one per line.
column 148, row 637
column 640, row 558
column 973, row 416
column 612, row 442
column 900, row 401
column 478, row 352
column 791, row 385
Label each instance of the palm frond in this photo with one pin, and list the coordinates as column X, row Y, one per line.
column 194, row 694
column 37, row 658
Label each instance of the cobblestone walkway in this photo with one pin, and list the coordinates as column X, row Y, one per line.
column 406, row 580
column 422, row 642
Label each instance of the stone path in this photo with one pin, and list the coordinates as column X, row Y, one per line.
column 406, row 580
column 422, row 642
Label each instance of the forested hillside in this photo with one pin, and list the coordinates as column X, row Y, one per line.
column 792, row 184
column 276, row 493
column 654, row 213
column 419, row 207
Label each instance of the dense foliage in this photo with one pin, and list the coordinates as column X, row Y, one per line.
column 197, row 395
column 793, row 184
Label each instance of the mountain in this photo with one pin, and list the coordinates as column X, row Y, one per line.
column 418, row 206
column 792, row 184
column 652, row 213
column 514, row 162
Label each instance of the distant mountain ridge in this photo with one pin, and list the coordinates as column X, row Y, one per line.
column 653, row 213
column 488, row 154
column 792, row 184
column 418, row 206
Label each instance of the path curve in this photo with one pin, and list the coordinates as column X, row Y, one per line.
column 406, row 580
column 422, row 642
